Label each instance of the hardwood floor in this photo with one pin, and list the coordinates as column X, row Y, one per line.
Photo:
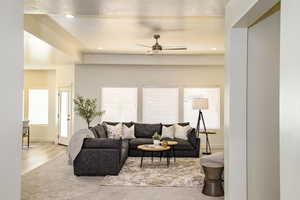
column 38, row 154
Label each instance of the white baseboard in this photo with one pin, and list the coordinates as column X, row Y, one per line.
column 214, row 146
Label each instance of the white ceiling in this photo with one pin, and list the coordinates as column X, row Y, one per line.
column 112, row 34
column 127, row 7
column 39, row 54
column 119, row 25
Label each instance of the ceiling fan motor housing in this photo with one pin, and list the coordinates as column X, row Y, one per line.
column 156, row 46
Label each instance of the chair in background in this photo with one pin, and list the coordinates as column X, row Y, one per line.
column 26, row 132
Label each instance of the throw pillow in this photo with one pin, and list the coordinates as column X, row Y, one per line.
column 128, row 132
column 114, row 132
column 100, row 129
column 181, row 131
column 168, row 132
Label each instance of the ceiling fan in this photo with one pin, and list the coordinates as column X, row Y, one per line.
column 157, row 47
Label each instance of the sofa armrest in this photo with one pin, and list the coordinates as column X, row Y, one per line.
column 193, row 139
column 102, row 143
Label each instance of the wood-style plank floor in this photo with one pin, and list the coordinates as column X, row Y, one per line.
column 38, row 154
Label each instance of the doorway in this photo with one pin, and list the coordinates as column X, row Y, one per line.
column 64, row 115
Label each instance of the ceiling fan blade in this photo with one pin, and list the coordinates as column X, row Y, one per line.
column 142, row 45
column 178, row 48
column 167, row 46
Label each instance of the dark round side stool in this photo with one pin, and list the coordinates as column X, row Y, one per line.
column 213, row 183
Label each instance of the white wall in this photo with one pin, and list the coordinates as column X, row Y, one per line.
column 90, row 78
column 42, row 79
column 239, row 15
column 290, row 100
column 11, row 80
column 263, row 109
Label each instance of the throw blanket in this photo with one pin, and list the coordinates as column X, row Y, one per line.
column 76, row 143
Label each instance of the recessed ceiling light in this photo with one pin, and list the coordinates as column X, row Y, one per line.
column 69, row 16
column 214, row 49
column 99, row 48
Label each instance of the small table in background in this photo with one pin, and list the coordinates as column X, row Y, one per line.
column 208, row 147
column 171, row 144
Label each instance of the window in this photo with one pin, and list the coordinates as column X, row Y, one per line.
column 38, row 106
column 212, row 115
column 160, row 105
column 120, row 104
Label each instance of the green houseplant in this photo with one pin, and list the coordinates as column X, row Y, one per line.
column 87, row 109
column 156, row 139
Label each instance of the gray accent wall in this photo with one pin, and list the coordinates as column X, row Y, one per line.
column 263, row 109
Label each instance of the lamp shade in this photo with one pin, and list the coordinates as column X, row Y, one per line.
column 200, row 103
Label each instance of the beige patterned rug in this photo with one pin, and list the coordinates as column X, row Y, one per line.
column 184, row 173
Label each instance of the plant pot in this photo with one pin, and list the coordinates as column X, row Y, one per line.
column 156, row 142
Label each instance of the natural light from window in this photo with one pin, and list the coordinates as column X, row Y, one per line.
column 212, row 115
column 160, row 105
column 120, row 104
column 38, row 106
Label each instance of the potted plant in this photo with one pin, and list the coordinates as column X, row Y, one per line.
column 87, row 109
column 156, row 139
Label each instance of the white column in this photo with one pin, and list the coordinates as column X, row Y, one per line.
column 290, row 100
column 11, row 84
column 235, row 123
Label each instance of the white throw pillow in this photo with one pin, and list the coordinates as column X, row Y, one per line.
column 168, row 132
column 181, row 131
column 128, row 133
column 114, row 132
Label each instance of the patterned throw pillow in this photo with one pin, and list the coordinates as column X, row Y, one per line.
column 168, row 131
column 181, row 131
column 128, row 132
column 114, row 131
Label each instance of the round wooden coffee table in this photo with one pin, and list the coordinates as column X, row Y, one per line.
column 152, row 148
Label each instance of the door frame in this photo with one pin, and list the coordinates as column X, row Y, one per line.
column 61, row 140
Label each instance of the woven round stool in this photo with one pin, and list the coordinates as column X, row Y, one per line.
column 213, row 183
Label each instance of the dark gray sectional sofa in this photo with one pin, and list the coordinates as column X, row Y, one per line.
column 104, row 156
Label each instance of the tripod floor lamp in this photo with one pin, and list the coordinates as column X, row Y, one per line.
column 202, row 104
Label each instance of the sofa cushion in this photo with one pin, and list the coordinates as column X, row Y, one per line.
column 139, row 141
column 93, row 129
column 146, row 130
column 124, row 151
column 99, row 131
column 105, row 143
column 128, row 132
column 114, row 131
column 180, row 124
column 181, row 131
column 183, row 144
column 168, row 131
column 128, row 124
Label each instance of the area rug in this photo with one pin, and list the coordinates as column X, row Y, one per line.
column 185, row 172
column 55, row 180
